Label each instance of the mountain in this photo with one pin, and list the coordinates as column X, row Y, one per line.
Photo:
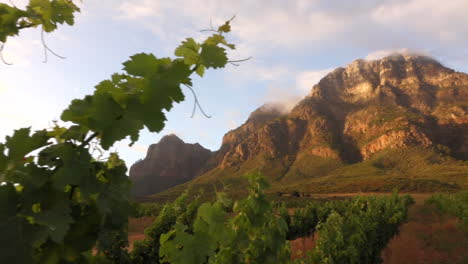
column 167, row 163
column 398, row 122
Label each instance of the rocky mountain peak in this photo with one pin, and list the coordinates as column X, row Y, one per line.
column 171, row 138
column 352, row 114
column 169, row 162
column 407, row 80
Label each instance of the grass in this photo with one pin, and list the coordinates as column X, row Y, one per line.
column 415, row 169
column 407, row 170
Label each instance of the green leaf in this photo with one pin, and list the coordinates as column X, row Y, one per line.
column 213, row 56
column 144, row 64
column 110, row 87
column 36, row 208
column 114, row 161
column 50, row 13
column 164, row 88
column 3, row 161
column 17, row 236
column 8, row 201
column 21, row 143
column 186, row 248
column 100, row 113
column 79, row 111
column 112, row 122
column 200, row 70
column 216, row 39
column 225, row 28
column 29, row 175
column 74, row 133
column 57, row 219
column 9, row 17
column 75, row 167
column 43, row 10
column 152, row 117
column 189, row 51
column 63, row 11
column 212, row 219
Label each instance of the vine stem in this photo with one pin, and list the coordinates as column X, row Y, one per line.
column 233, row 62
column 46, row 48
column 72, row 191
column 86, row 142
column 196, row 103
column 1, row 54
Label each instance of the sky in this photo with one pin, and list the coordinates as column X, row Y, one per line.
column 293, row 43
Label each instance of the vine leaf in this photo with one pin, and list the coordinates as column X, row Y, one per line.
column 213, row 56
column 51, row 13
column 21, row 143
column 75, row 169
column 216, row 39
column 144, row 64
column 189, row 51
column 57, row 219
column 9, row 17
column 200, row 70
column 226, row 27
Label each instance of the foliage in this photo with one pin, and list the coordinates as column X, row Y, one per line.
column 146, row 209
column 349, row 231
column 358, row 232
column 58, row 202
column 454, row 204
column 45, row 13
column 147, row 251
column 253, row 235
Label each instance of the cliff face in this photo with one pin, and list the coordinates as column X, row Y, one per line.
column 167, row 163
column 366, row 107
column 352, row 114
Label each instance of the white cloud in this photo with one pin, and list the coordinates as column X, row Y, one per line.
column 263, row 25
column 307, row 79
column 378, row 54
column 285, row 96
column 288, row 95
column 139, row 148
column 440, row 20
column 257, row 70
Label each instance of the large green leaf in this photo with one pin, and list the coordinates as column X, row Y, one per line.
column 213, row 56
column 22, row 143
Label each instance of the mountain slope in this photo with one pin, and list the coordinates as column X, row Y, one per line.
column 167, row 163
column 400, row 105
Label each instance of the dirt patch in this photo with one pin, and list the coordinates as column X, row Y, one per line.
column 300, row 246
column 428, row 237
column 136, row 228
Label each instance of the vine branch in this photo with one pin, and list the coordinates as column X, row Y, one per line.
column 46, row 48
column 1, row 55
column 234, row 62
column 91, row 137
column 196, row 103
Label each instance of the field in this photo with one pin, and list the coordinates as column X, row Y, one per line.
column 429, row 235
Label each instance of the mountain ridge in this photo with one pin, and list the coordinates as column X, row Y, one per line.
column 351, row 115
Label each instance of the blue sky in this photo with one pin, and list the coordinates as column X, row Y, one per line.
column 293, row 44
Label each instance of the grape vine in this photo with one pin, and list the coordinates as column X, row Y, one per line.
column 47, row 14
column 58, row 202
